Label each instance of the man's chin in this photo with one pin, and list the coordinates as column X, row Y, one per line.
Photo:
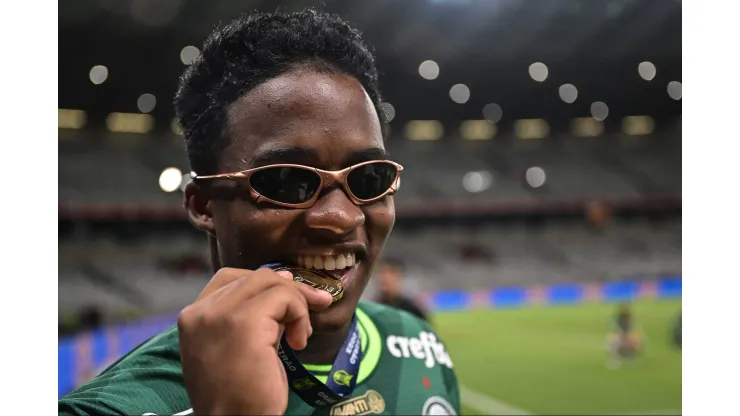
column 335, row 318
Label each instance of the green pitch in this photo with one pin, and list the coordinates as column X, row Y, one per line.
column 553, row 360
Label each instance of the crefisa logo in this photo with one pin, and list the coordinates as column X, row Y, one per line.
column 425, row 347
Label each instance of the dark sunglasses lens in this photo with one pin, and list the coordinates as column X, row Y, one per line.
column 286, row 184
column 371, row 180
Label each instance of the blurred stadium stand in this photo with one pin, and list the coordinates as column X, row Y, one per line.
column 539, row 190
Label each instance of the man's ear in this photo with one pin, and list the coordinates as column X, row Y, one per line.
column 198, row 207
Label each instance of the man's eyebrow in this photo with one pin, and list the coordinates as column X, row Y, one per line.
column 297, row 155
column 364, row 155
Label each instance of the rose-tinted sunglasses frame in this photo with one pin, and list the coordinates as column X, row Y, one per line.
column 327, row 178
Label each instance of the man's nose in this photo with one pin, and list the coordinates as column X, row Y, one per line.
column 334, row 214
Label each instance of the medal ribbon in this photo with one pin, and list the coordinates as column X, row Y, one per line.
column 342, row 378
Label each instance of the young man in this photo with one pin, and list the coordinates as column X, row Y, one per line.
column 624, row 340
column 390, row 284
column 298, row 91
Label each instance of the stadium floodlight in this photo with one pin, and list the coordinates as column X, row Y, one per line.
column 389, row 110
column 129, row 123
column 535, row 177
column 527, row 129
column 477, row 130
column 146, row 103
column 493, row 112
column 568, row 93
column 646, row 70
column 599, row 110
column 429, row 70
column 674, row 90
column 98, row 74
column 477, row 181
column 72, row 119
column 538, row 71
column 175, row 127
column 460, row 93
column 188, row 54
column 424, row 130
column 638, row 125
column 170, row 179
column 586, row 127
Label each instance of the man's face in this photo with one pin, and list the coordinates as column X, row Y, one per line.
column 316, row 119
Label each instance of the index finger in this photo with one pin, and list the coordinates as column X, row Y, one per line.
column 223, row 277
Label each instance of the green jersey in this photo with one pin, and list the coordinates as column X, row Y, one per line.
column 405, row 369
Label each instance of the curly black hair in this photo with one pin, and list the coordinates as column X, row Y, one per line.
column 252, row 49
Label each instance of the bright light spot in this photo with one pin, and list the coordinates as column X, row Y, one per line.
column 538, row 71
column 535, row 176
column 188, row 54
column 98, row 74
column 129, row 122
column 477, row 130
column 389, row 110
column 586, row 127
column 568, row 93
column 531, row 129
column 460, row 93
column 599, row 110
column 170, row 179
column 175, row 127
column 493, row 112
column 638, row 125
column 429, row 70
column 674, row 90
column 424, row 130
column 72, row 119
column 646, row 70
column 186, row 179
column 146, row 103
column 477, row 181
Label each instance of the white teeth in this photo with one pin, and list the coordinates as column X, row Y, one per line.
column 338, row 262
column 329, row 263
column 318, row 262
column 341, row 262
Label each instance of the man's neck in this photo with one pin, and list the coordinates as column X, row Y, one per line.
column 323, row 347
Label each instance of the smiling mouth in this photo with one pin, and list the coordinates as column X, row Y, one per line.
column 340, row 266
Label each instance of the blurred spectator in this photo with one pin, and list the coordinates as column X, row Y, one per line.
column 390, row 281
column 90, row 318
column 475, row 252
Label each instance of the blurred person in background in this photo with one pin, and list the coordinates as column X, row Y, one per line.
column 624, row 341
column 272, row 99
column 390, row 286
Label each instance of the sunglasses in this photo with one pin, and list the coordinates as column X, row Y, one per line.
column 298, row 186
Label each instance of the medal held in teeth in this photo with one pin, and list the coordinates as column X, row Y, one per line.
column 318, row 279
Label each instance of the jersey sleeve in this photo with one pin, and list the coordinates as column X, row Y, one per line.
column 146, row 381
column 128, row 392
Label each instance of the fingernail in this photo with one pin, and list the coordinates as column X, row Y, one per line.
column 285, row 274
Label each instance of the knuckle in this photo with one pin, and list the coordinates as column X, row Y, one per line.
column 225, row 272
column 186, row 317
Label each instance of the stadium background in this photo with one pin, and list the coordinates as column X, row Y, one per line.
column 541, row 142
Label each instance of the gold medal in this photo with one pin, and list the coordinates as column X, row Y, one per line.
column 317, row 279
